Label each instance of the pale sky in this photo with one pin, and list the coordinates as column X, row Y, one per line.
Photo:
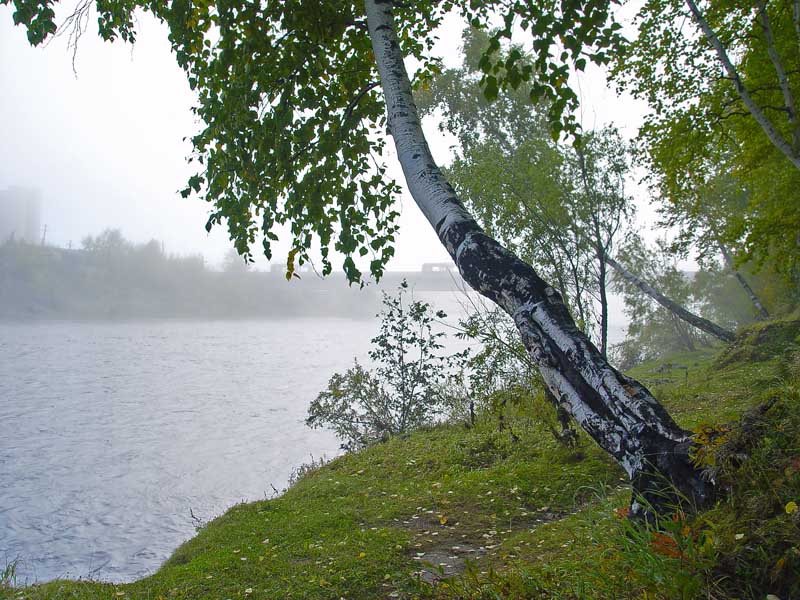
column 105, row 149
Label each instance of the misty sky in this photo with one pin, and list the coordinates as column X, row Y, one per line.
column 106, row 148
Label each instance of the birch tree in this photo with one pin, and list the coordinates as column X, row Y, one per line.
column 753, row 48
column 618, row 412
column 560, row 207
column 721, row 80
column 294, row 97
column 707, row 218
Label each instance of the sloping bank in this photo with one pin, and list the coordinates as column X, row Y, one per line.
column 470, row 513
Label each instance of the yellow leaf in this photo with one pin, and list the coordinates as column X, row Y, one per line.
column 362, row 554
column 442, row 519
column 791, row 508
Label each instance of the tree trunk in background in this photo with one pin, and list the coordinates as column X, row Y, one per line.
column 603, row 311
column 602, row 276
column 684, row 333
column 618, row 412
column 702, row 324
column 774, row 135
column 762, row 312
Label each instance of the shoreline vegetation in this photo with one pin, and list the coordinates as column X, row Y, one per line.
column 454, row 511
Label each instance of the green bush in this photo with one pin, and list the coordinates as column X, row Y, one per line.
column 401, row 393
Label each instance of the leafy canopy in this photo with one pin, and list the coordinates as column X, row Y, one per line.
column 292, row 118
column 701, row 141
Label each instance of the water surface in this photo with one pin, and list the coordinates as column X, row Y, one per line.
column 110, row 433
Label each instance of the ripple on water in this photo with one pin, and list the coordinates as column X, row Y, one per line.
column 111, row 432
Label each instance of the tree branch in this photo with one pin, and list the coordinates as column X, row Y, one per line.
column 348, row 112
column 796, row 20
column 722, row 55
column 780, row 71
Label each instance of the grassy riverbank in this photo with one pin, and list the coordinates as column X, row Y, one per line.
column 455, row 512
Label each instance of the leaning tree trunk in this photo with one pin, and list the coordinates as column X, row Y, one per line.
column 762, row 312
column 618, row 412
column 703, row 324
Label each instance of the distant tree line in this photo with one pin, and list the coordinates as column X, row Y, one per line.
column 113, row 278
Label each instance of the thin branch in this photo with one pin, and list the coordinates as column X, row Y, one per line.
column 75, row 26
column 348, row 112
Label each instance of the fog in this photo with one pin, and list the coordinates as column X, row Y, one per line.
column 104, row 146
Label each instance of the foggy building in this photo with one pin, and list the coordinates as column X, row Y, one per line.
column 441, row 267
column 20, row 214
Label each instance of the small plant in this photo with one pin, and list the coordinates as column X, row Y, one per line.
column 8, row 576
column 306, row 468
column 401, row 393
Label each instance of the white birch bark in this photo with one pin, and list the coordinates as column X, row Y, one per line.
column 618, row 412
column 780, row 72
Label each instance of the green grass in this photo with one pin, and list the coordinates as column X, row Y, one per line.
column 469, row 513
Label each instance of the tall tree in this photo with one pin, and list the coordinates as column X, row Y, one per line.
column 707, row 217
column 721, row 79
column 560, row 207
column 287, row 92
column 751, row 48
column 600, row 162
column 618, row 412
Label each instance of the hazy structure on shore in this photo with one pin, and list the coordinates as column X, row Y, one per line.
column 20, row 215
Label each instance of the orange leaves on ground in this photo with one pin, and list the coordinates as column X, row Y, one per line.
column 665, row 545
column 622, row 513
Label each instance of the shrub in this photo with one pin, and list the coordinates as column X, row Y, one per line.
column 400, row 394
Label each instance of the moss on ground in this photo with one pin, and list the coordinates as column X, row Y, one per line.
column 452, row 512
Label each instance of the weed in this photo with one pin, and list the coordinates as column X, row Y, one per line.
column 8, row 575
